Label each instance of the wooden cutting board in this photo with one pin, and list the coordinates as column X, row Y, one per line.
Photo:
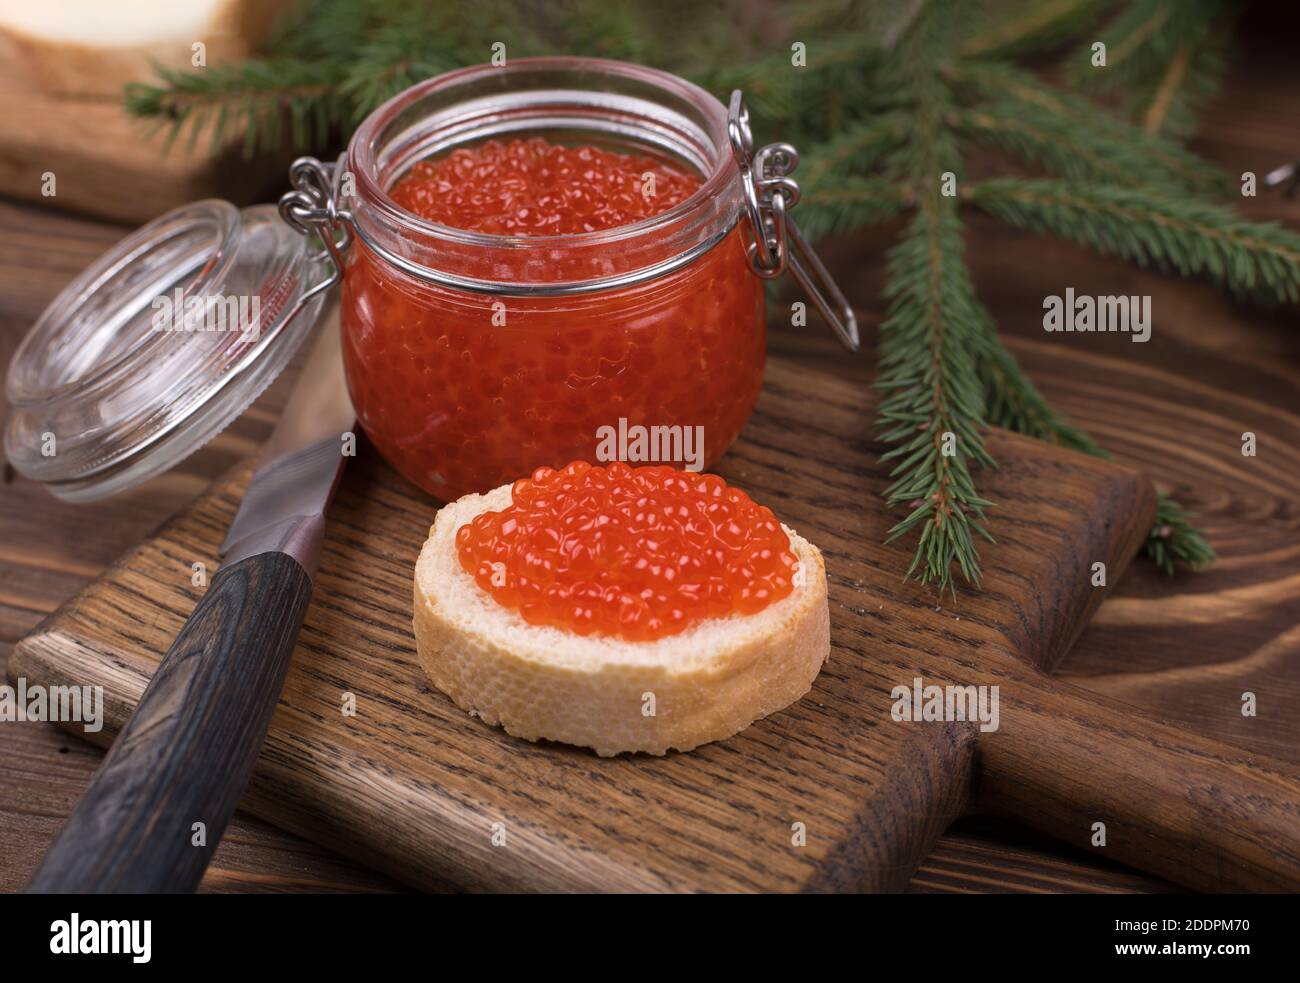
column 830, row 794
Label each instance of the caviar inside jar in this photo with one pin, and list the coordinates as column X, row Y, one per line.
column 637, row 553
column 463, row 391
column 533, row 187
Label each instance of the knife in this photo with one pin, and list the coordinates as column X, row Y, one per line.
column 156, row 809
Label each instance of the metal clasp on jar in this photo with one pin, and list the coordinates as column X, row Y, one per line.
column 770, row 193
column 311, row 207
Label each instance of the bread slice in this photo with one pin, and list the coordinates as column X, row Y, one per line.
column 709, row 682
column 93, row 48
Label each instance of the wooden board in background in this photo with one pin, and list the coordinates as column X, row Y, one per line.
column 413, row 786
column 111, row 166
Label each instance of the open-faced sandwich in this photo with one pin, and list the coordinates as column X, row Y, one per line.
column 619, row 608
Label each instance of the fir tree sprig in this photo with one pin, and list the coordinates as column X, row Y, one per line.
column 932, row 410
column 892, row 97
column 331, row 62
column 850, row 202
column 856, row 148
column 1173, row 539
column 1165, row 57
column 1039, row 136
column 1183, row 235
column 270, row 102
column 1153, row 159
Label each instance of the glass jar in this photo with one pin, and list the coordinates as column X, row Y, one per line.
column 474, row 358
column 471, row 358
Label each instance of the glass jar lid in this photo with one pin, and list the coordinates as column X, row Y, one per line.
column 159, row 345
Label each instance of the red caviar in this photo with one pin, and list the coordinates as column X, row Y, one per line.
column 640, row 553
column 532, row 187
column 462, row 391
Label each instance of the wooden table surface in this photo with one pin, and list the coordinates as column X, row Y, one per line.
column 1182, row 649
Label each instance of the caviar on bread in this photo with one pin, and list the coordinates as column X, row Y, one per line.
column 618, row 608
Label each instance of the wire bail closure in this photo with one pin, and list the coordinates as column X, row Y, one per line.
column 778, row 245
column 311, row 208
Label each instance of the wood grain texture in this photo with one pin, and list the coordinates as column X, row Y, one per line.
column 1193, row 810
column 185, row 755
column 107, row 164
column 989, row 855
column 1181, row 649
column 52, row 771
column 413, row 785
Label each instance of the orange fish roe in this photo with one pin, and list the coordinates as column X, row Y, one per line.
column 640, row 553
column 462, row 392
column 533, row 187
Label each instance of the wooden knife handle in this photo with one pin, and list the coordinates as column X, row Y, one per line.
column 187, row 752
column 1198, row 812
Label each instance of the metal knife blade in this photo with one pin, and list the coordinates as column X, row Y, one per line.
column 284, row 506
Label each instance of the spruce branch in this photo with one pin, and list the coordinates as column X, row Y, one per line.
column 1173, row 539
column 1030, row 27
column 927, row 373
column 269, row 101
column 1039, row 137
column 856, row 148
column 1166, row 57
column 1152, row 159
column 932, row 412
column 806, row 105
column 849, row 203
column 1013, row 402
column 1181, row 234
column 337, row 60
column 392, row 60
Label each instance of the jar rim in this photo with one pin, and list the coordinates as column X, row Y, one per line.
column 363, row 162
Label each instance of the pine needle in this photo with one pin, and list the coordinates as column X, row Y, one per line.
column 850, row 203
column 1174, row 540
column 1152, row 159
column 1182, row 235
column 1164, row 57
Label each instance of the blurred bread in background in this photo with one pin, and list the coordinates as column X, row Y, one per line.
column 94, row 47
column 68, row 143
